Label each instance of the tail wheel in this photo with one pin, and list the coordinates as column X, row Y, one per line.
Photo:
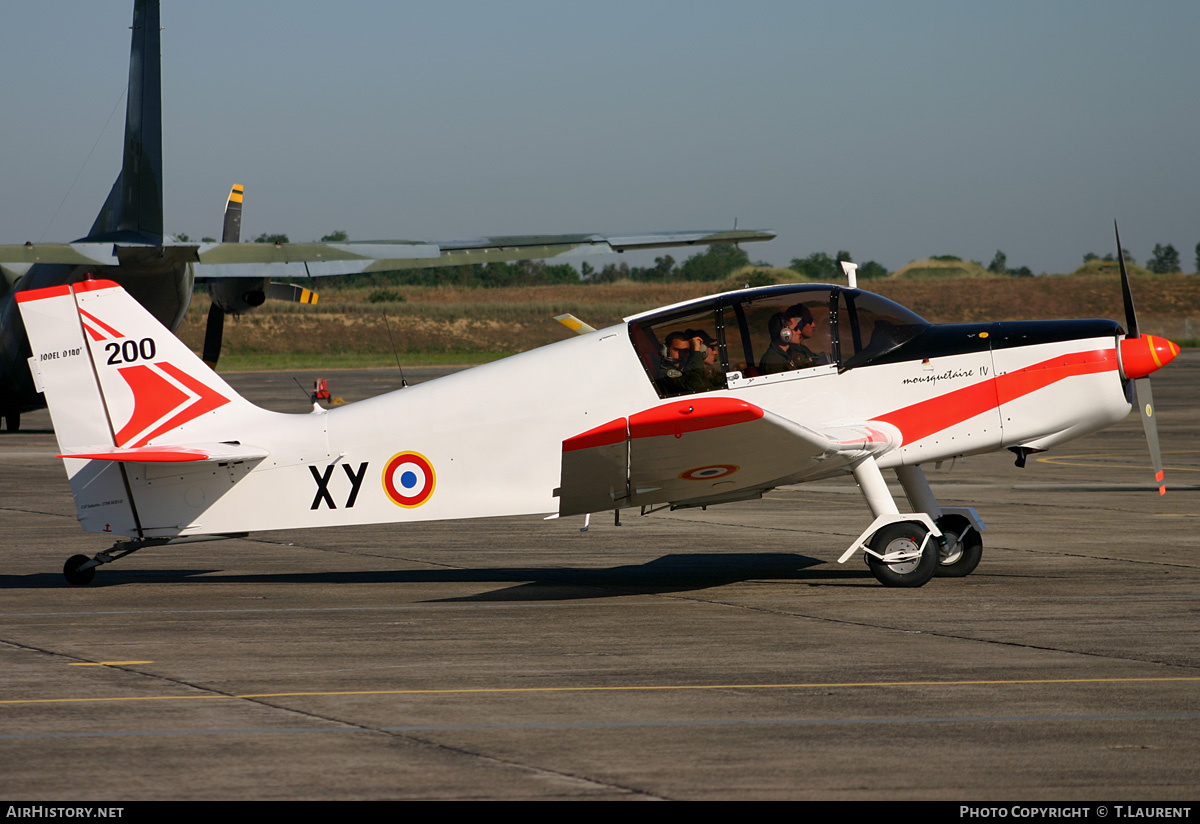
column 76, row 576
column 908, row 560
column 963, row 548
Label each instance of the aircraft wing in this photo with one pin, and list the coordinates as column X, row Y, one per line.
column 79, row 254
column 257, row 260
column 703, row 450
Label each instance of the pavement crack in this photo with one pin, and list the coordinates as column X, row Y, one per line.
column 507, row 763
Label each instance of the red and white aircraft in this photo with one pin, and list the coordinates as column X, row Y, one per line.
column 771, row 386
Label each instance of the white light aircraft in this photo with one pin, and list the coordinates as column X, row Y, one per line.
column 754, row 389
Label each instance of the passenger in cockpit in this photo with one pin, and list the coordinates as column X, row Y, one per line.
column 688, row 363
column 787, row 351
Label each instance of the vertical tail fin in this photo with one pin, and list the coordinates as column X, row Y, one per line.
column 114, row 376
column 135, row 202
column 121, row 388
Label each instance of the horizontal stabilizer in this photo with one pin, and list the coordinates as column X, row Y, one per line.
column 202, row 453
column 575, row 324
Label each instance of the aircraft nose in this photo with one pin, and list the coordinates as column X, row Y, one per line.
column 1142, row 355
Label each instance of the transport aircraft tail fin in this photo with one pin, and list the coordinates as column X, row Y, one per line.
column 135, row 203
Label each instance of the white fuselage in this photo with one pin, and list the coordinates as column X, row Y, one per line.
column 492, row 436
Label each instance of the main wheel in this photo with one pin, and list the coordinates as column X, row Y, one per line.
column 904, row 563
column 76, row 576
column 963, row 549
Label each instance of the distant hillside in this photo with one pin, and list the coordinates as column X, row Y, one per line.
column 1111, row 268
column 929, row 268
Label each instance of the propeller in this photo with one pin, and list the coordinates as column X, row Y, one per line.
column 212, row 335
column 231, row 232
column 1141, row 355
column 240, row 294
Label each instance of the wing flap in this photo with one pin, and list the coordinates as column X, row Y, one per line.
column 595, row 470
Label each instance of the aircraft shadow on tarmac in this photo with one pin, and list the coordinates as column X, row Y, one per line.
column 669, row 573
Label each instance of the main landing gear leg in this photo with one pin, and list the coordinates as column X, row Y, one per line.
column 898, row 548
column 960, row 546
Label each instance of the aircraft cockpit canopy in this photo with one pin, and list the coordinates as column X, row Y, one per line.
column 768, row 334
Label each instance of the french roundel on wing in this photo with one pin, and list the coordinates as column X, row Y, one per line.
column 408, row 479
column 708, row 473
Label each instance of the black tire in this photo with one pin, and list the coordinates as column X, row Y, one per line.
column 76, row 576
column 903, row 537
column 960, row 556
column 12, row 419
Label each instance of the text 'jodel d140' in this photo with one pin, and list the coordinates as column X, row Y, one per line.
column 714, row 400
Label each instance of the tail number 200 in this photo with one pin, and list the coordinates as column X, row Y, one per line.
column 130, row 351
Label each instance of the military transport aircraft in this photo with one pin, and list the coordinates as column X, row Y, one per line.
column 159, row 448
column 126, row 243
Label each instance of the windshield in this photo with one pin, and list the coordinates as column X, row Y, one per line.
column 870, row 325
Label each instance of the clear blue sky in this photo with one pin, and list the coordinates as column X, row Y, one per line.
column 895, row 130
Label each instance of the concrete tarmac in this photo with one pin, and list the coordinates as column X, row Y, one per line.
column 691, row 655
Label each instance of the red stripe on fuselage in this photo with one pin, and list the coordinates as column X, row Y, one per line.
column 922, row 419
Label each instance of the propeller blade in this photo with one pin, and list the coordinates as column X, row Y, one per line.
column 212, row 335
column 290, row 291
column 1145, row 401
column 1131, row 324
column 232, row 231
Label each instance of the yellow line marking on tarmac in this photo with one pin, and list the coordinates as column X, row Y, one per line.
column 1096, row 459
column 107, row 663
column 632, row 688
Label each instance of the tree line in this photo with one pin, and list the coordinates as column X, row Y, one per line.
column 1163, row 260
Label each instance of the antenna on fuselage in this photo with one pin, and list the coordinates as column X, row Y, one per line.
column 403, row 382
column 850, row 270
